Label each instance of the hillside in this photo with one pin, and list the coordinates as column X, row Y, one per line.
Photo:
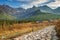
column 5, row 13
column 30, row 14
column 6, row 17
column 39, row 16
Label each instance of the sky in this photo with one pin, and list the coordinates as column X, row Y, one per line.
column 30, row 3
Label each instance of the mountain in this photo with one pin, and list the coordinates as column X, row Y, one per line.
column 8, row 12
column 28, row 12
column 37, row 13
column 34, row 13
column 5, row 16
column 46, row 9
column 57, row 10
column 38, row 16
column 20, row 9
column 7, row 9
column 5, row 12
column 19, row 12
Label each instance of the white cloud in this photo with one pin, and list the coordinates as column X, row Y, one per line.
column 26, row 6
column 30, row 3
column 51, row 4
column 54, row 4
column 36, row 2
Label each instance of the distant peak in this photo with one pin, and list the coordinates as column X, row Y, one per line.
column 34, row 7
column 58, row 8
column 44, row 6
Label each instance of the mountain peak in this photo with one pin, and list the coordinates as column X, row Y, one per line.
column 34, row 7
column 45, row 6
column 58, row 8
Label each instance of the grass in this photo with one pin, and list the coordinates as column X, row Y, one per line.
column 14, row 30
column 7, row 16
column 43, row 16
column 17, row 29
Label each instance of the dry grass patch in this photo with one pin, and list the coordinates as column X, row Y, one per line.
column 20, row 29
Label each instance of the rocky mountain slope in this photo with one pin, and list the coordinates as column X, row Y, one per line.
column 30, row 14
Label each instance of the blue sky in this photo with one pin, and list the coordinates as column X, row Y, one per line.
column 29, row 3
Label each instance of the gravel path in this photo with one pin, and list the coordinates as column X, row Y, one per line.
column 48, row 33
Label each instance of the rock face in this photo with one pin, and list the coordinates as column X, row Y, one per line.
column 48, row 33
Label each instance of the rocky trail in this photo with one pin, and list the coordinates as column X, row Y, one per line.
column 47, row 33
